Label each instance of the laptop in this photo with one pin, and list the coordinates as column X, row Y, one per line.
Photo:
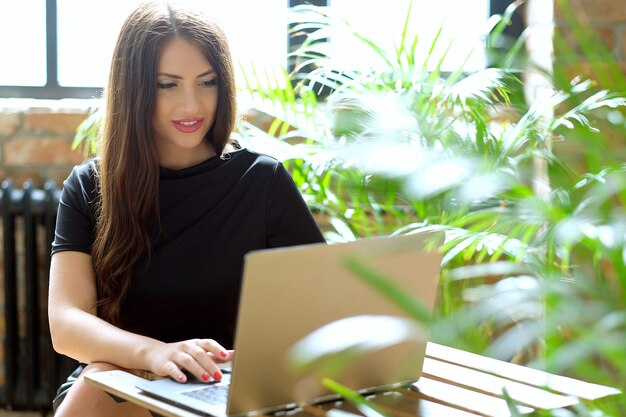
column 289, row 294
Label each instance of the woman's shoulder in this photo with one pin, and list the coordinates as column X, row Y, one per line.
column 83, row 177
column 88, row 167
column 255, row 158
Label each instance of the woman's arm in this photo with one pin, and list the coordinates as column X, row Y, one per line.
column 77, row 332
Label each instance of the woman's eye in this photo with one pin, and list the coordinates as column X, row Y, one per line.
column 166, row 86
column 209, row 83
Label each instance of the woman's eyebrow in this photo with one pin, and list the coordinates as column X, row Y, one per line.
column 209, row 72
column 178, row 77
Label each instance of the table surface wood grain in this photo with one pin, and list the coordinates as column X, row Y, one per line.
column 454, row 383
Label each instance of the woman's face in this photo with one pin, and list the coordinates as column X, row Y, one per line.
column 186, row 103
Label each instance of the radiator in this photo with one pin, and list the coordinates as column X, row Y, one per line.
column 32, row 370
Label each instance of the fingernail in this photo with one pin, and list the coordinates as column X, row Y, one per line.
column 181, row 378
column 224, row 354
column 206, row 376
column 217, row 376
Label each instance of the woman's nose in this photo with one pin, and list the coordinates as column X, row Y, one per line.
column 190, row 102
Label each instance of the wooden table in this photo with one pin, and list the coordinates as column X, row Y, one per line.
column 454, row 383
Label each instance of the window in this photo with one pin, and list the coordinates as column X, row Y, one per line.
column 86, row 33
column 23, row 41
column 86, row 44
column 62, row 48
column 462, row 29
column 81, row 37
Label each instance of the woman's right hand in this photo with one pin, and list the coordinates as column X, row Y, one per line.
column 199, row 357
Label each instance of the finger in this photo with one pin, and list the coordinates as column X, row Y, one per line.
column 198, row 362
column 188, row 363
column 173, row 371
column 221, row 359
column 213, row 347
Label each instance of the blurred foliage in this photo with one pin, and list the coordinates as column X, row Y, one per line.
column 87, row 132
column 527, row 277
column 580, row 51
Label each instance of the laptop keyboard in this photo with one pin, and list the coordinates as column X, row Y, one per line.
column 211, row 394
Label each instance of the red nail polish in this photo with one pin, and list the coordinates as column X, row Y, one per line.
column 217, row 376
column 205, row 376
column 181, row 378
column 224, row 354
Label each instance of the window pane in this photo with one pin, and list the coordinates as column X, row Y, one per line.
column 463, row 24
column 257, row 36
column 88, row 30
column 23, row 42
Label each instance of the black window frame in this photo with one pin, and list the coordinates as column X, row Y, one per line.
column 52, row 89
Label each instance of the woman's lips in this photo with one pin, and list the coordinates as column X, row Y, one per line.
column 188, row 125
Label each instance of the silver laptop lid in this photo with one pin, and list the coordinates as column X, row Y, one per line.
column 288, row 293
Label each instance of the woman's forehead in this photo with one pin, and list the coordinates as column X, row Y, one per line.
column 181, row 57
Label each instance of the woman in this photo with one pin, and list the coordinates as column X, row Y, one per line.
column 150, row 236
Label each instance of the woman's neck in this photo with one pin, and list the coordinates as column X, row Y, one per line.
column 181, row 159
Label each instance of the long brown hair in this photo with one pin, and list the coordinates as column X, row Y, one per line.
column 128, row 167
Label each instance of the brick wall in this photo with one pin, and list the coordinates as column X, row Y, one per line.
column 36, row 138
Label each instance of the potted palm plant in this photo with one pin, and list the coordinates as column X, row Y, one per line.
column 459, row 156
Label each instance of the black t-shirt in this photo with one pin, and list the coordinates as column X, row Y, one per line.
column 212, row 214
